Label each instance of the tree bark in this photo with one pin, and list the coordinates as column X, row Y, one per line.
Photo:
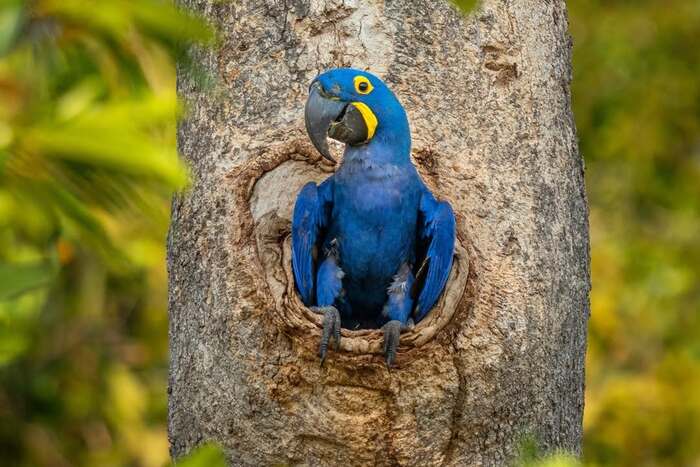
column 501, row 359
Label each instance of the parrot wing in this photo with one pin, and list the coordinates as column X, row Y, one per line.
column 311, row 214
column 436, row 227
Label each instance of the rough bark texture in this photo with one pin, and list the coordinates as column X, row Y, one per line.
column 501, row 358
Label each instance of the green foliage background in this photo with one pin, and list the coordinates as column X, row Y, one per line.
column 88, row 163
column 636, row 95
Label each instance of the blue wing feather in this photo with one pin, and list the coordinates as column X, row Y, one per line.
column 438, row 228
column 311, row 212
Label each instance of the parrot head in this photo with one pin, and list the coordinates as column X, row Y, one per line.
column 354, row 107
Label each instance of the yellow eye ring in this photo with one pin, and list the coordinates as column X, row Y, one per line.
column 362, row 85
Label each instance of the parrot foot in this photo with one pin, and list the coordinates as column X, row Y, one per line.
column 331, row 328
column 392, row 331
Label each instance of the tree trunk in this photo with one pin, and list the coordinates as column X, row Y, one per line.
column 501, row 358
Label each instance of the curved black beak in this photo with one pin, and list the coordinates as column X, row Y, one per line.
column 327, row 116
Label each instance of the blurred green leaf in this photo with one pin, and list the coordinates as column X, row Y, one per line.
column 466, row 5
column 16, row 279
column 556, row 460
column 98, row 145
column 208, row 455
column 10, row 22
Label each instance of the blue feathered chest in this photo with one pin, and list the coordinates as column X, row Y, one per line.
column 373, row 222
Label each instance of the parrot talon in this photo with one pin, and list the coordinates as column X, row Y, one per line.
column 392, row 331
column 331, row 328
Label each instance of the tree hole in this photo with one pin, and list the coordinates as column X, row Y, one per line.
column 275, row 181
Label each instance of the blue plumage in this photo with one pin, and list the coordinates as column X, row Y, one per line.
column 374, row 222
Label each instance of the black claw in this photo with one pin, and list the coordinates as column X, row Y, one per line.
column 392, row 331
column 336, row 330
column 331, row 327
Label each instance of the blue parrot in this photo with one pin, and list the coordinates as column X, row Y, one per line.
column 371, row 246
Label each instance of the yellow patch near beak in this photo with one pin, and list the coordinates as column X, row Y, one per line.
column 369, row 118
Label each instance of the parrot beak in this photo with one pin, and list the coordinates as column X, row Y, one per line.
column 326, row 116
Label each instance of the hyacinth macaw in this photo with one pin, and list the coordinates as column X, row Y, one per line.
column 371, row 246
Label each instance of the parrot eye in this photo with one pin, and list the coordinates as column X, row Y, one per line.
column 362, row 85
